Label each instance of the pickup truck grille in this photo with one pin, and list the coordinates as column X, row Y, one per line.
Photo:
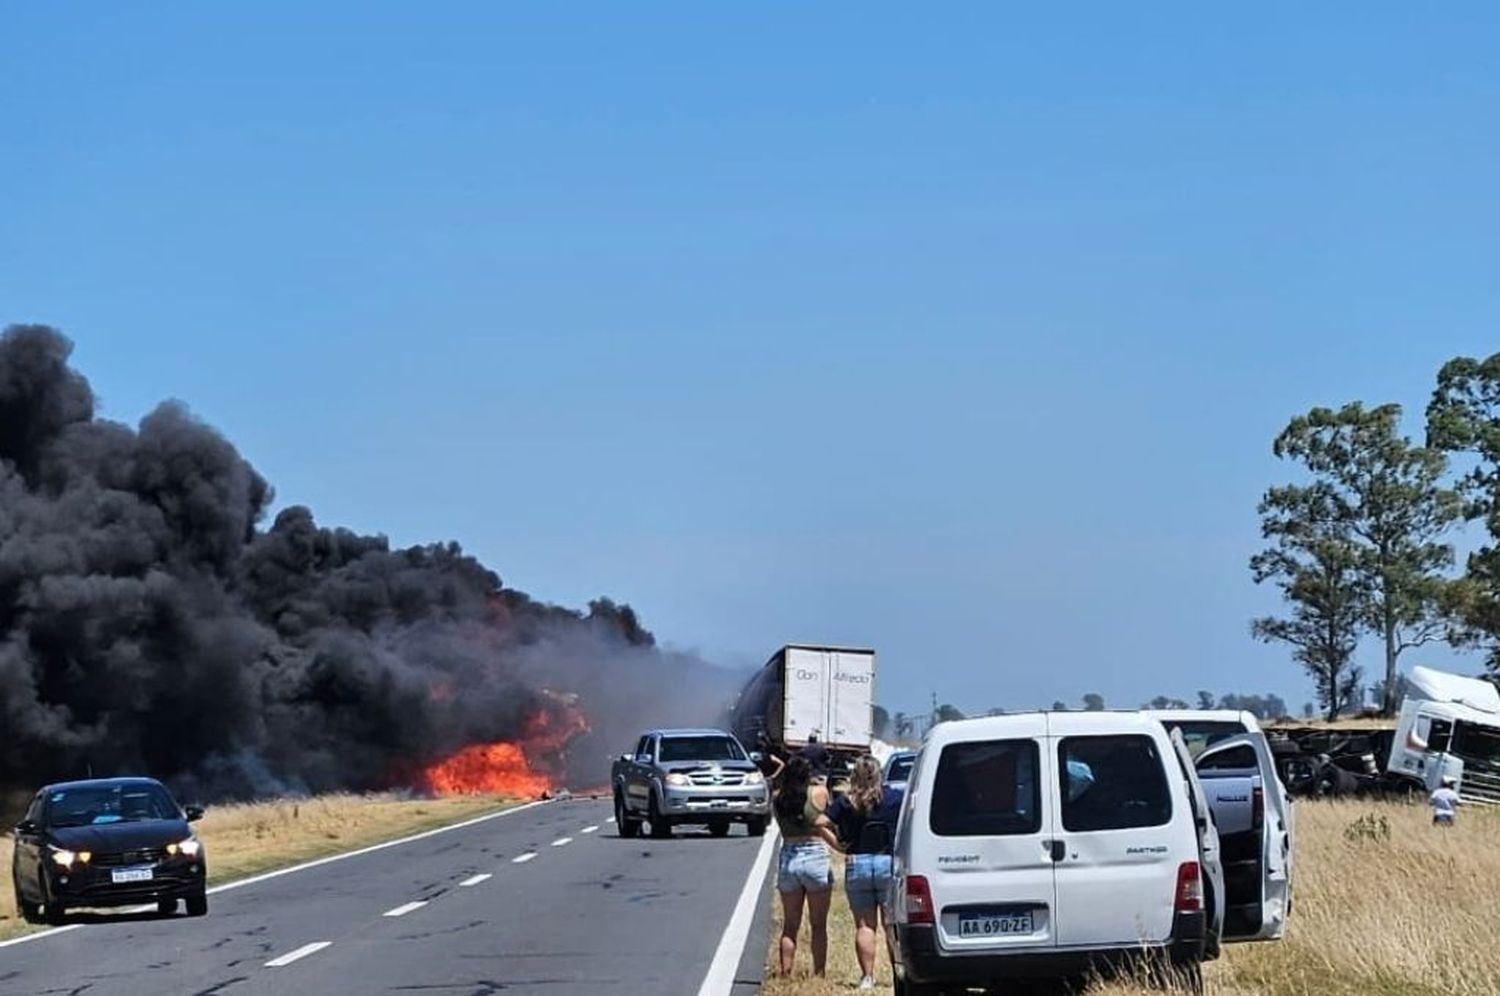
column 717, row 777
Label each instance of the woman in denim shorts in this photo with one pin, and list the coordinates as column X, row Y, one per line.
column 862, row 823
column 804, row 871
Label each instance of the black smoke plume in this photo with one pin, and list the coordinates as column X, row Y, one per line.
column 149, row 624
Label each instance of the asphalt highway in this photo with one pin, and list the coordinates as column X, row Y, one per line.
column 545, row 900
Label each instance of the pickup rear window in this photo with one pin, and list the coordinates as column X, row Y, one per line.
column 1239, row 758
column 699, row 749
column 1112, row 783
column 987, row 788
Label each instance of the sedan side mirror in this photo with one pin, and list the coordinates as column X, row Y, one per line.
column 25, row 827
column 194, row 813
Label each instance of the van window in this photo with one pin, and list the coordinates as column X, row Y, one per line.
column 987, row 788
column 1112, row 783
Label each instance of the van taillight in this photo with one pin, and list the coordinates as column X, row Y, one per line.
column 1258, row 807
column 918, row 900
column 1189, row 888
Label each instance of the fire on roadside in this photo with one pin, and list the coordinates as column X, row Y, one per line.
column 530, row 766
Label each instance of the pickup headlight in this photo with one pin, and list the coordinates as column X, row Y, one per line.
column 187, row 848
column 64, row 858
column 677, row 778
column 755, row 778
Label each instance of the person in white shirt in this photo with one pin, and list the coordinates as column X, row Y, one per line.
column 1445, row 804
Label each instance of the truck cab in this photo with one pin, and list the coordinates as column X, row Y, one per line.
column 1449, row 728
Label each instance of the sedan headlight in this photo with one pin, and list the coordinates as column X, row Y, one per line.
column 65, row 858
column 677, row 778
column 187, row 848
column 755, row 778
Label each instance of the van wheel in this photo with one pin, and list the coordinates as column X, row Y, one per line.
column 626, row 826
column 660, row 828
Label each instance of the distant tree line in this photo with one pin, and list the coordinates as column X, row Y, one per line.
column 1358, row 545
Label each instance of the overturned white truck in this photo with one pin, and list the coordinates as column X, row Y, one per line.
column 1449, row 728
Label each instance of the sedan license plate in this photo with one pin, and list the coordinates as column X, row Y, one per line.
column 122, row 875
column 994, row 924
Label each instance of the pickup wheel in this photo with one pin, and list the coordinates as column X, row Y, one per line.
column 624, row 823
column 660, row 828
column 756, row 826
column 719, row 828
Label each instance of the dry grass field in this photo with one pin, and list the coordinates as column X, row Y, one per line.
column 242, row 840
column 1411, row 912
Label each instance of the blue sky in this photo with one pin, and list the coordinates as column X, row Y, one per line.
column 964, row 337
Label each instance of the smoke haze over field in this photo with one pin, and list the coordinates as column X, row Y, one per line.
column 147, row 623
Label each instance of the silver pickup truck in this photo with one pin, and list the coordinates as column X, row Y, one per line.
column 689, row 776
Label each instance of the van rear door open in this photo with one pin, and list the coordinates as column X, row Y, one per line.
column 1239, row 777
column 992, row 828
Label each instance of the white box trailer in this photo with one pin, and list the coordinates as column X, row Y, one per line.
column 804, row 691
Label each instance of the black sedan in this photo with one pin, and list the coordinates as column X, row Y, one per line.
column 107, row 842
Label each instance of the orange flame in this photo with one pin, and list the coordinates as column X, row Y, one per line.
column 530, row 767
column 486, row 769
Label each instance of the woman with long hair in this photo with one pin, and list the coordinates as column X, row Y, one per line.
column 862, row 823
column 804, row 873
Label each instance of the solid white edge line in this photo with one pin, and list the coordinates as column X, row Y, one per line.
column 406, row 908
column 721, row 971
column 297, row 955
column 474, row 880
column 241, row 883
column 562, row 841
column 521, row 859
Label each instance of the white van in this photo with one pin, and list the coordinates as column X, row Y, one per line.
column 1046, row 845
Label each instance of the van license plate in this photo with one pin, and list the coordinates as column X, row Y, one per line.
column 121, row 875
column 994, row 924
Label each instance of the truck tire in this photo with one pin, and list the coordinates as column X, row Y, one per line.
column 660, row 827
column 625, row 824
column 756, row 826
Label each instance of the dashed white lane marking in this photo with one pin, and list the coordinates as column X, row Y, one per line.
column 562, row 841
column 588, row 829
column 305, row 866
column 405, row 908
column 300, row 953
column 474, row 880
column 521, row 859
column 610, row 820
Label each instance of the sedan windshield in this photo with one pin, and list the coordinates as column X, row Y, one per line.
column 101, row 804
column 700, row 749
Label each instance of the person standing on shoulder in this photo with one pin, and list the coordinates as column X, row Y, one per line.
column 804, row 875
column 1445, row 804
column 862, row 824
